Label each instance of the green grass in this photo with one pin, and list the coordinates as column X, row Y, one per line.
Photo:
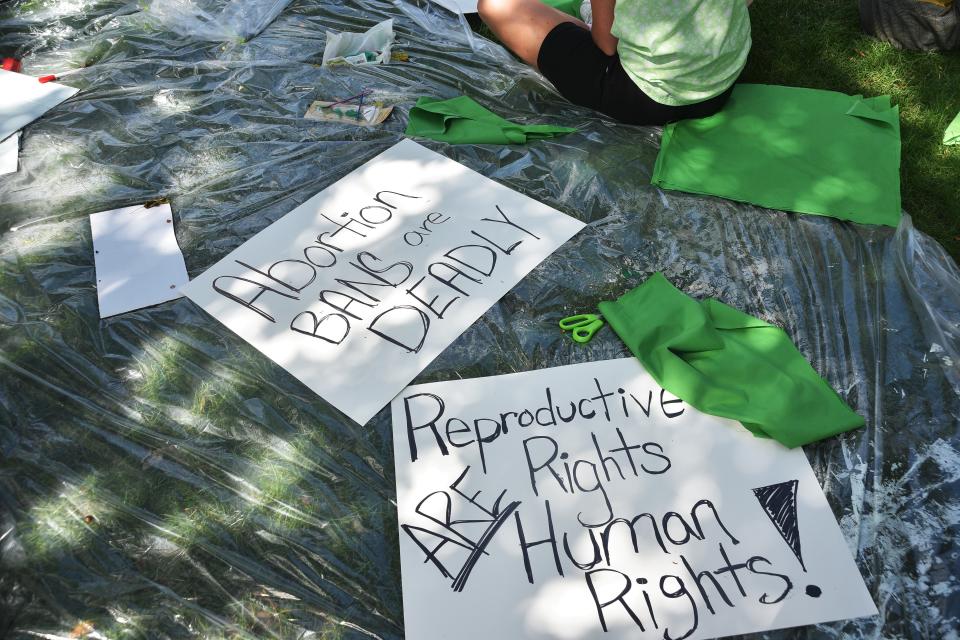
column 819, row 44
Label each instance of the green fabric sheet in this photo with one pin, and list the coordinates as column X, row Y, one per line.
column 570, row 7
column 727, row 363
column 952, row 134
column 792, row 149
column 462, row 120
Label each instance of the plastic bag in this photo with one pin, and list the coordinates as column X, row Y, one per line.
column 370, row 47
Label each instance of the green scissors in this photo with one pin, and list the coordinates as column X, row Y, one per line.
column 582, row 326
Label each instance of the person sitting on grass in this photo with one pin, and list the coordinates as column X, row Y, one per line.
column 644, row 62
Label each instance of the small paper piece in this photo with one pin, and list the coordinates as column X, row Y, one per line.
column 138, row 261
column 358, row 289
column 10, row 154
column 349, row 112
column 23, row 99
column 371, row 47
column 586, row 502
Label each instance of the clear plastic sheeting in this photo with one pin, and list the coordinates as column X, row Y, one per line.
column 160, row 478
column 238, row 20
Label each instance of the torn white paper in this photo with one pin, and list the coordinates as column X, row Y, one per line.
column 358, row 289
column 586, row 502
column 10, row 154
column 138, row 261
column 23, row 99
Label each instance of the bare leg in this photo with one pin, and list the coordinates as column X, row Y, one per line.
column 521, row 25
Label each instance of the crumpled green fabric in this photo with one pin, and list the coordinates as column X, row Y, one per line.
column 570, row 7
column 952, row 134
column 462, row 120
column 727, row 363
column 792, row 149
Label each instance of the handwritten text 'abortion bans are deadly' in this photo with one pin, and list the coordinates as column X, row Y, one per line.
column 585, row 501
column 371, row 278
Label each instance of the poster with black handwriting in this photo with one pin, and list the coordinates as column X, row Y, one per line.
column 358, row 289
column 587, row 502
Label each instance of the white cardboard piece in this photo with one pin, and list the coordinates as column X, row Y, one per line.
column 358, row 289
column 10, row 154
column 505, row 482
column 138, row 261
column 23, row 99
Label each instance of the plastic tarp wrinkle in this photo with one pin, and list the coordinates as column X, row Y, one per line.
column 160, row 478
column 236, row 20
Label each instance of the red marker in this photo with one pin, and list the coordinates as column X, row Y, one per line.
column 57, row 76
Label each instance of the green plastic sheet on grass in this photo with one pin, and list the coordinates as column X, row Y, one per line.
column 728, row 363
column 161, row 478
column 952, row 134
column 462, row 120
column 791, row 149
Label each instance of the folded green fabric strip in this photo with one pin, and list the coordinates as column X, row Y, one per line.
column 462, row 121
column 727, row 363
column 792, row 149
column 952, row 134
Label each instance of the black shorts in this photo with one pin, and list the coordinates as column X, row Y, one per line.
column 585, row 75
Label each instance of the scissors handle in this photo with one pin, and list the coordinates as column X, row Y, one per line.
column 583, row 335
column 582, row 326
column 572, row 322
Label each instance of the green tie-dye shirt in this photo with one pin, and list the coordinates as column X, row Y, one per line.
column 682, row 51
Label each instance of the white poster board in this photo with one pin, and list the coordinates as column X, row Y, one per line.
column 23, row 99
column 358, row 289
column 586, row 502
column 138, row 261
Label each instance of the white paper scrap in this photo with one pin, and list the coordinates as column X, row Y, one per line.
column 358, row 289
column 138, row 261
column 23, row 99
column 585, row 501
column 10, row 154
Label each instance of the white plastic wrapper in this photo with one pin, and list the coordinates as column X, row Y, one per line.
column 370, row 47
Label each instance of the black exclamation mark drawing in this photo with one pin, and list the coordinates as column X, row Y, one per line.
column 779, row 502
